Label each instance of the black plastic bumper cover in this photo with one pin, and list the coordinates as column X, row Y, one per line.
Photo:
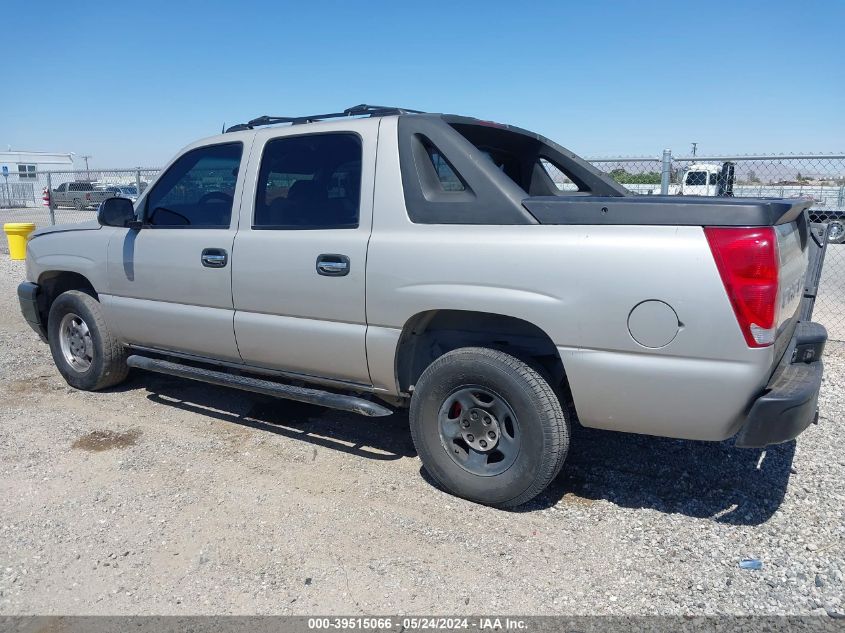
column 790, row 401
column 28, row 298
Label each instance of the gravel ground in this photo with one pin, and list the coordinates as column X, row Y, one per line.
column 170, row 497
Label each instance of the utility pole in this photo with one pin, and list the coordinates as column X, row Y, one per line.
column 88, row 172
column 694, row 146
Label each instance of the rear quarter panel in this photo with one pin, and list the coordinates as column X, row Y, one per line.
column 579, row 285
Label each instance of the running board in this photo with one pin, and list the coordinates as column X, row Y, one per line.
column 266, row 387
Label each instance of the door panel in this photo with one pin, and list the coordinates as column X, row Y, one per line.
column 288, row 314
column 291, row 317
column 163, row 296
column 170, row 283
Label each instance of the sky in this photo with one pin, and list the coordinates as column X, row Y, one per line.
column 130, row 83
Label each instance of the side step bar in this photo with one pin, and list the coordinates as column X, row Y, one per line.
column 266, row 387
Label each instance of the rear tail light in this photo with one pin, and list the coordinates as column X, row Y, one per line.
column 747, row 259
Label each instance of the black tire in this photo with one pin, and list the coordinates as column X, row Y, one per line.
column 107, row 366
column 539, row 424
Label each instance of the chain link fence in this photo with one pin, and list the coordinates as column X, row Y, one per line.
column 62, row 197
column 75, row 195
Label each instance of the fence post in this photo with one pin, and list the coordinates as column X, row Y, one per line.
column 50, row 199
column 666, row 173
column 138, row 181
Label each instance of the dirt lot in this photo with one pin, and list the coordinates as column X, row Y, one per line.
column 170, row 497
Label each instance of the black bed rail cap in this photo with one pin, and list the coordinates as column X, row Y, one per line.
column 665, row 210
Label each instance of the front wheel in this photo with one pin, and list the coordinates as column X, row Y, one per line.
column 85, row 351
column 488, row 427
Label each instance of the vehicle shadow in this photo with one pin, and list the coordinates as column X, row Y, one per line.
column 382, row 439
column 712, row 480
column 699, row 479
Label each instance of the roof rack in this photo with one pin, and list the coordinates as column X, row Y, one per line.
column 358, row 110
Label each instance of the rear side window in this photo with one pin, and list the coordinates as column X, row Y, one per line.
column 309, row 182
column 198, row 190
column 446, row 175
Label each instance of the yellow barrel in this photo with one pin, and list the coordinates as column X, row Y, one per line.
column 16, row 234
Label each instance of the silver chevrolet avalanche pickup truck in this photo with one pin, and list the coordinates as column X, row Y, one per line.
column 380, row 258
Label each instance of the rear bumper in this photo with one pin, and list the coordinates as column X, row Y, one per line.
column 789, row 403
column 28, row 298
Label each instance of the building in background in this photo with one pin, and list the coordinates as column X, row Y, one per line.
column 19, row 178
column 24, row 166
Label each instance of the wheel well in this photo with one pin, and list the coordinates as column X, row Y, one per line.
column 429, row 335
column 54, row 283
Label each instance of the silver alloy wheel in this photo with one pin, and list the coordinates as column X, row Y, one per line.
column 75, row 342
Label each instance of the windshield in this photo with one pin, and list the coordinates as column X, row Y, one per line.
column 697, row 178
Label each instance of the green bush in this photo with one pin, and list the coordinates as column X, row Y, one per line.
column 645, row 178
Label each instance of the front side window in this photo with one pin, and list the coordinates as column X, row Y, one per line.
column 309, row 182
column 198, row 190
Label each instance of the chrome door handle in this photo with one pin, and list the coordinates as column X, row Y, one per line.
column 332, row 265
column 214, row 258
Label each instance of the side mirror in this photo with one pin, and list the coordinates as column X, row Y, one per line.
column 116, row 212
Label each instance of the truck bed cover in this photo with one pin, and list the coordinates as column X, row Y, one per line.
column 664, row 210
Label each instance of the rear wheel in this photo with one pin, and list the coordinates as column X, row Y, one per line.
column 488, row 427
column 77, row 204
column 86, row 353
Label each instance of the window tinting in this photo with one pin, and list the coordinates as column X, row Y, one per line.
column 449, row 180
column 697, row 178
column 198, row 189
column 714, row 179
column 309, row 182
